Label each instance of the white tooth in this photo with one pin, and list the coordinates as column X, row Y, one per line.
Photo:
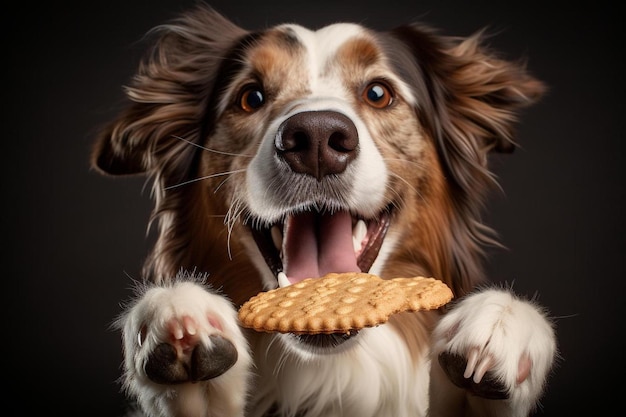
column 277, row 237
column 358, row 234
column 282, row 280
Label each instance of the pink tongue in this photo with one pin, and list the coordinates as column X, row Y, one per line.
column 316, row 244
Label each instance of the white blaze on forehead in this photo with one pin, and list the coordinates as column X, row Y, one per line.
column 322, row 47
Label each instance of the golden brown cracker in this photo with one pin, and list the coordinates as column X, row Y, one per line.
column 338, row 303
column 423, row 293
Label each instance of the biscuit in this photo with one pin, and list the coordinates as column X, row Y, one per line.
column 339, row 303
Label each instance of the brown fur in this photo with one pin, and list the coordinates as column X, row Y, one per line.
column 466, row 105
column 455, row 80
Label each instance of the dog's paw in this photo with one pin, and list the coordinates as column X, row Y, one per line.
column 497, row 347
column 182, row 333
column 184, row 351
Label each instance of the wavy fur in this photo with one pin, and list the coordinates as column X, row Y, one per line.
column 454, row 102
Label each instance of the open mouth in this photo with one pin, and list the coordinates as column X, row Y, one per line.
column 312, row 243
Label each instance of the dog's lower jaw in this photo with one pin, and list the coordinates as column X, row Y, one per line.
column 309, row 346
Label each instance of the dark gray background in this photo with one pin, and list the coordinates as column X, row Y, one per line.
column 73, row 238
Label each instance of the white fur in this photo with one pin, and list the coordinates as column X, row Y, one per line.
column 373, row 375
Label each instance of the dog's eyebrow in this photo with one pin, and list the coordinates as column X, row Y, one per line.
column 289, row 37
column 359, row 51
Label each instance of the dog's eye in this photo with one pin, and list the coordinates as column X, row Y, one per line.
column 377, row 95
column 251, row 99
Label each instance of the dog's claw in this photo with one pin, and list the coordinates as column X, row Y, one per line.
column 164, row 366
column 483, row 384
column 482, row 368
column 472, row 359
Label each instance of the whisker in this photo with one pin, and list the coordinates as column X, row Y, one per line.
column 205, row 178
column 211, row 150
column 221, row 183
column 418, row 164
column 400, row 196
column 401, row 178
column 234, row 212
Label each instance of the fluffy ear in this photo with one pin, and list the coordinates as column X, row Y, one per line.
column 469, row 86
column 169, row 96
column 469, row 98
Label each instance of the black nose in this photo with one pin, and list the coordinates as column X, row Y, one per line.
column 317, row 143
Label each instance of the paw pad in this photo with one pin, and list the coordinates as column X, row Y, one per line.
column 166, row 366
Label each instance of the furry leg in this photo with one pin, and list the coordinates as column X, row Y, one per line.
column 185, row 354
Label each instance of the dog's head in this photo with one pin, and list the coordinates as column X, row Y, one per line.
column 289, row 153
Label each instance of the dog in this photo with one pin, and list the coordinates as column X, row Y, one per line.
column 287, row 153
